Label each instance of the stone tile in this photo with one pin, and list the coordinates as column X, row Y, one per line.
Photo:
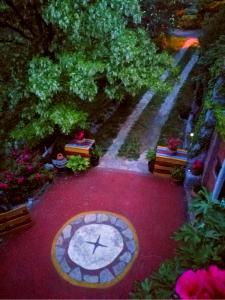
column 91, row 278
column 128, row 233
column 59, row 252
column 131, row 245
column 64, row 266
column 119, row 268
column 106, row 276
column 112, row 219
column 90, row 218
column 76, row 274
column 126, row 257
column 67, row 232
column 78, row 221
column 102, row 218
column 59, row 241
column 122, row 225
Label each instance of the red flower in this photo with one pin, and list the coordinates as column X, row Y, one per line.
column 202, row 284
column 173, row 143
column 20, row 180
column 197, row 166
column 37, row 176
column 4, row 186
column 180, row 12
column 79, row 135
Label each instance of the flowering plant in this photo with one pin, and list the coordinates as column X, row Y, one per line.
column 202, row 284
column 79, row 135
column 173, row 143
column 197, row 167
column 23, row 177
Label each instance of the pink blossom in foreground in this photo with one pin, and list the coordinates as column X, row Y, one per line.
column 202, row 284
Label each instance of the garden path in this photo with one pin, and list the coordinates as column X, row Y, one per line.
column 27, row 271
column 110, row 159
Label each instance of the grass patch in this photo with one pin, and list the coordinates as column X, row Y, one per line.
column 105, row 135
column 131, row 148
column 140, row 131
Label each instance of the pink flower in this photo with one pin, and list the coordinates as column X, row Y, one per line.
column 4, row 186
column 9, row 177
column 29, row 168
column 25, row 157
column 202, row 284
column 20, row 180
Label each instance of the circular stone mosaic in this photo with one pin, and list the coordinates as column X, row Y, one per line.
column 95, row 249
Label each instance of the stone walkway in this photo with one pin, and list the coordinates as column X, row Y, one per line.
column 110, row 159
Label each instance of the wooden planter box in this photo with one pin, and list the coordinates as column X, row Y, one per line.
column 79, row 148
column 165, row 161
column 15, row 220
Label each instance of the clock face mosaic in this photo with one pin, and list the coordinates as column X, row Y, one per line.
column 95, row 249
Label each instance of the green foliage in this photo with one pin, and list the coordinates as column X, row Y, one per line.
column 200, row 244
column 77, row 163
column 65, row 117
column 97, row 151
column 160, row 14
column 177, row 173
column 213, row 27
column 43, row 77
column 59, row 52
column 220, row 117
column 130, row 149
column 151, row 155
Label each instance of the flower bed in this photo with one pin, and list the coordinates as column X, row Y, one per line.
column 24, row 176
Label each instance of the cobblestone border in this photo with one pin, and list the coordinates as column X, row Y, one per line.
column 106, row 276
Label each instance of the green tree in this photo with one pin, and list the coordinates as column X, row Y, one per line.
column 57, row 53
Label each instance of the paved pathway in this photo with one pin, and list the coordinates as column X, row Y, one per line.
column 145, row 100
column 27, row 270
column 110, row 159
column 162, row 116
column 195, row 33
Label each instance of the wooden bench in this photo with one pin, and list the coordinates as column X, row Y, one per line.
column 165, row 161
column 15, row 220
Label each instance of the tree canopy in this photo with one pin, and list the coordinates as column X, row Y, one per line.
column 57, row 53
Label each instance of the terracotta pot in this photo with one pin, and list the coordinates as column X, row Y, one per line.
column 60, row 156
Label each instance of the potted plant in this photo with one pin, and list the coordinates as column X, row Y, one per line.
column 80, row 136
column 151, row 156
column 197, row 167
column 173, row 144
column 78, row 163
column 96, row 153
column 177, row 174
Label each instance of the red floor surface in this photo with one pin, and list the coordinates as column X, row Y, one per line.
column 154, row 206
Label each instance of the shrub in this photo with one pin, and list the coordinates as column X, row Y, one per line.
column 78, row 163
column 201, row 244
column 177, row 173
column 25, row 174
